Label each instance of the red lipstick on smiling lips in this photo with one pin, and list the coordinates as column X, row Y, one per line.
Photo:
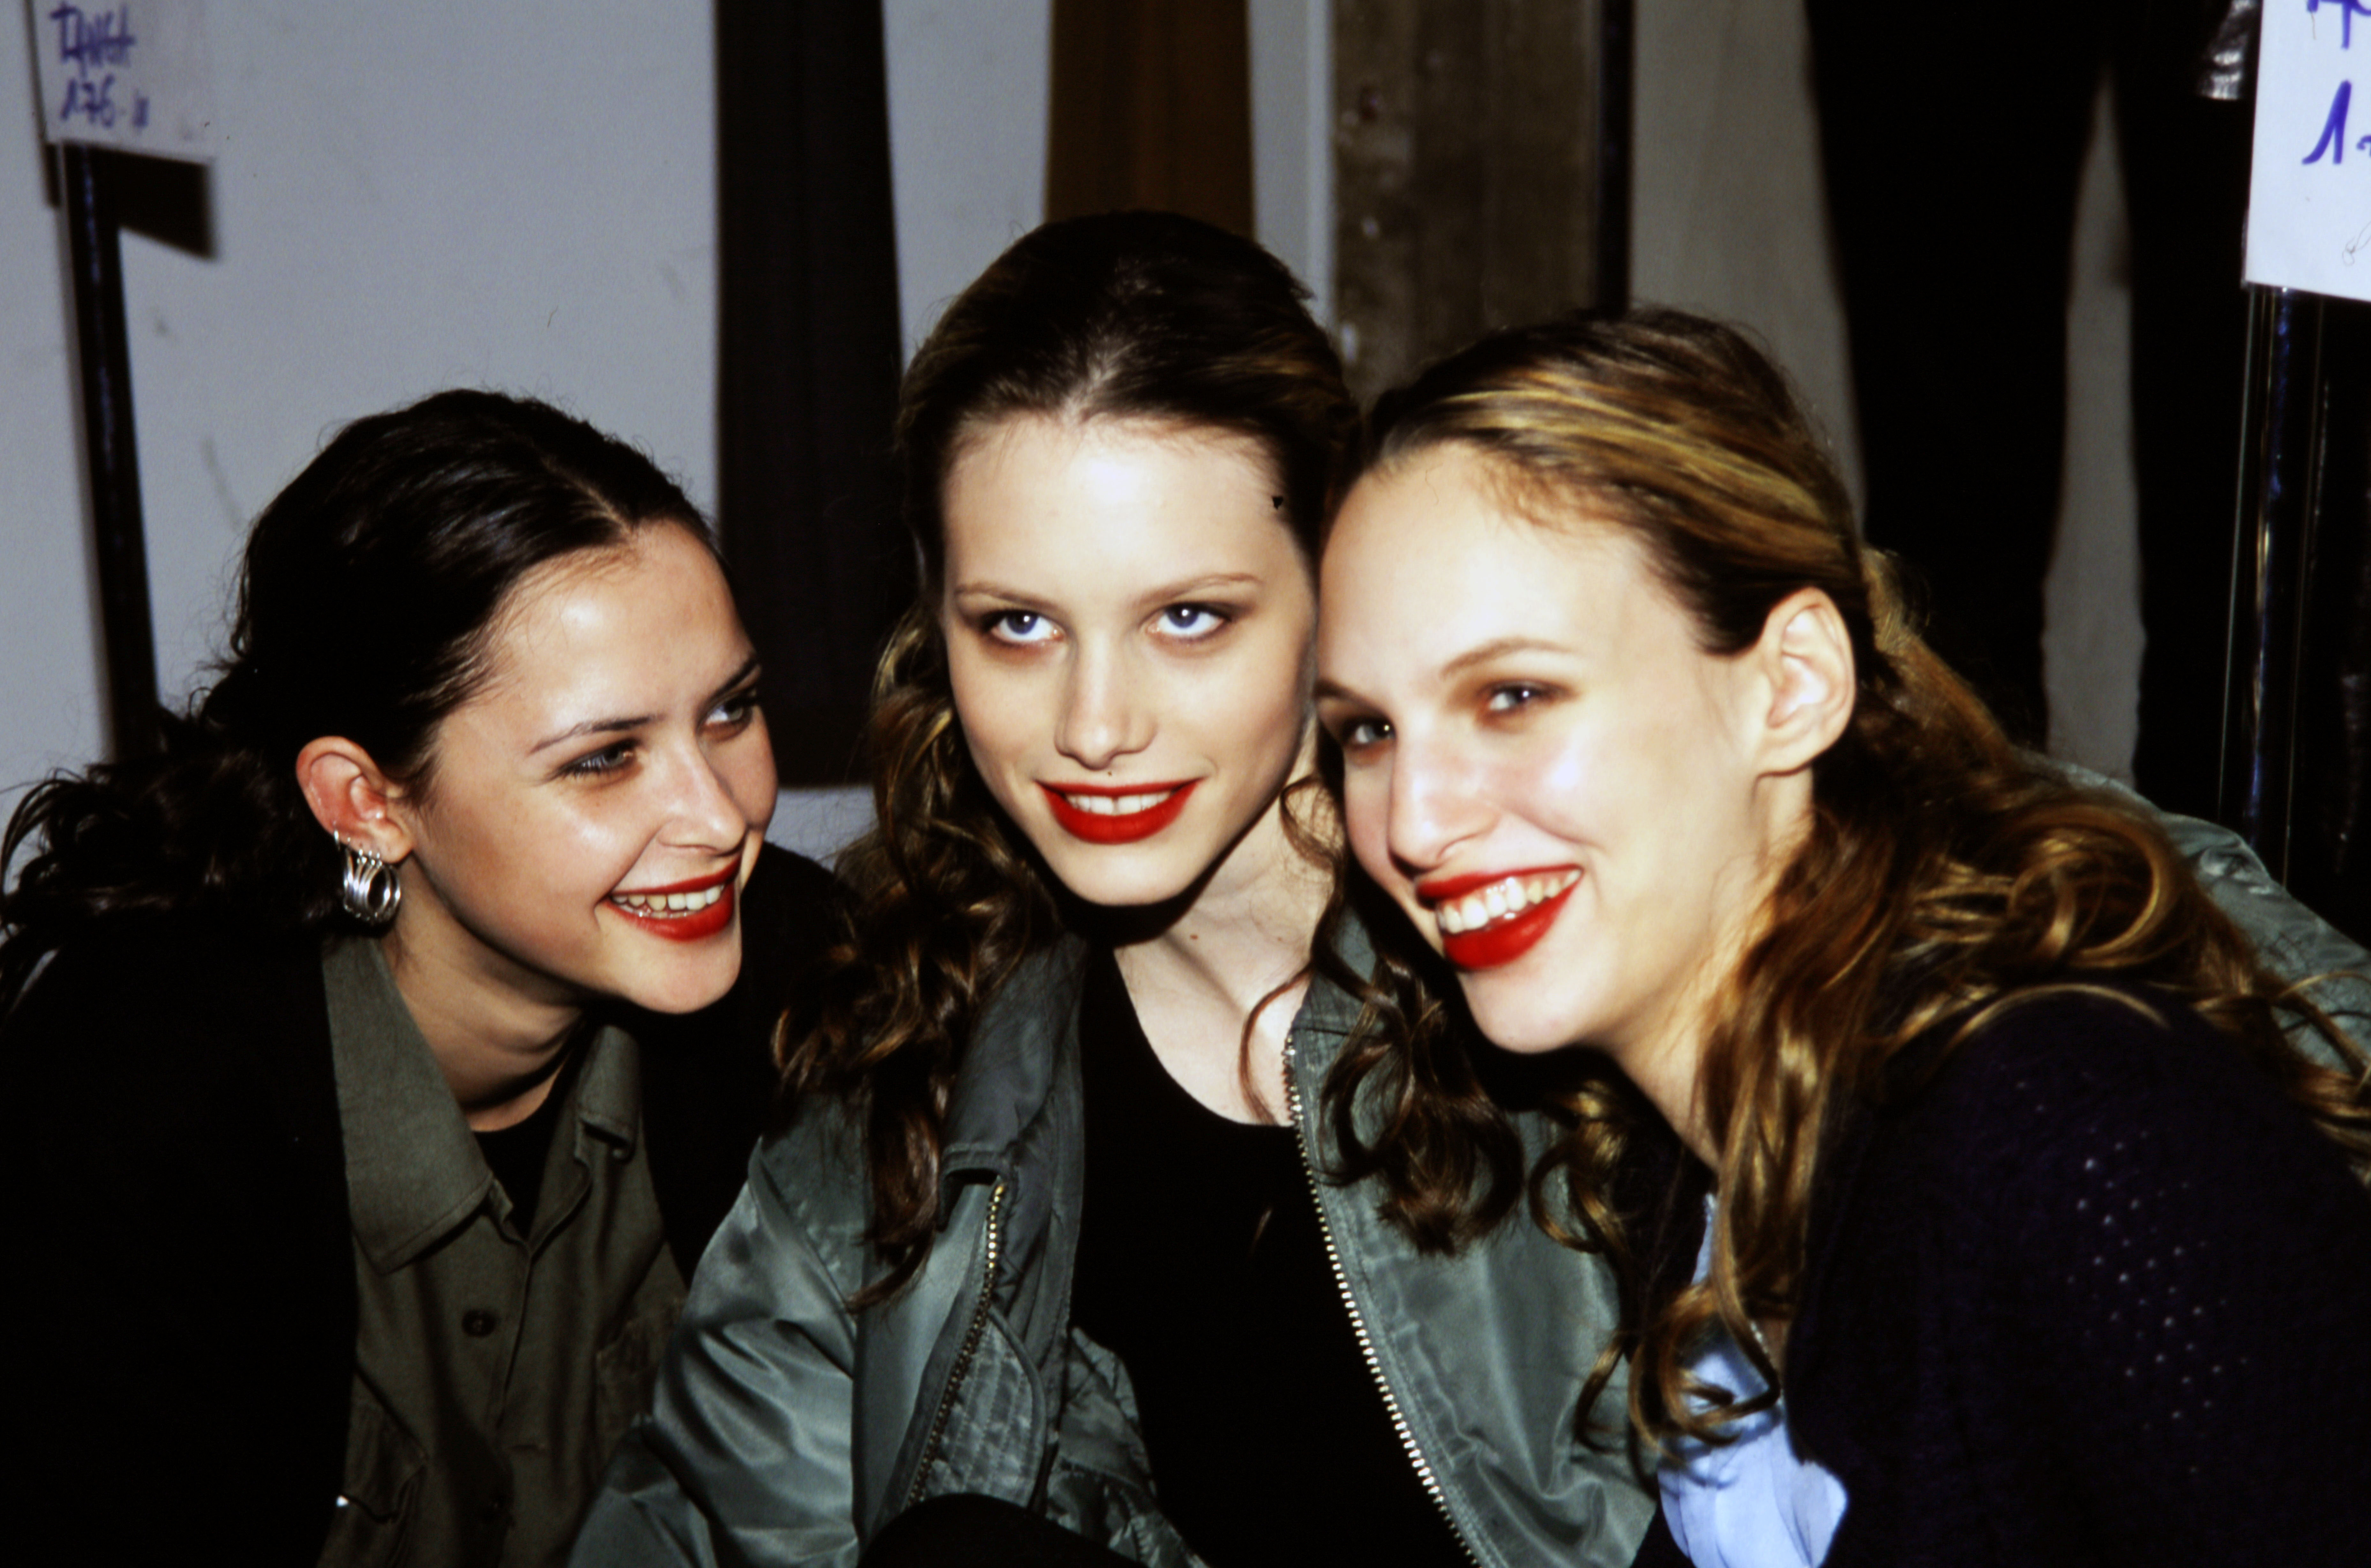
column 1128, row 820
column 680, row 912
column 1501, row 934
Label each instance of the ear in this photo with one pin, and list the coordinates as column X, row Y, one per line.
column 1806, row 658
column 352, row 797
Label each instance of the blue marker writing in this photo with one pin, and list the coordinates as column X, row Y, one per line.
column 2347, row 11
column 2334, row 130
column 86, row 42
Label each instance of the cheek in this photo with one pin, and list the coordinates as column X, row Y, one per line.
column 746, row 771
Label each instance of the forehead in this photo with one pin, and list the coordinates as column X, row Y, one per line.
column 1110, row 497
column 1446, row 551
column 598, row 627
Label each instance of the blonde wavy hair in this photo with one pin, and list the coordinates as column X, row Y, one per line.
column 1945, row 873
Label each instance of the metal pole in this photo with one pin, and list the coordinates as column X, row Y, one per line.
column 113, row 453
column 1616, row 68
column 2279, row 470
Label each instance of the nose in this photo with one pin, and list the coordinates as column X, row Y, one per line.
column 1435, row 805
column 704, row 813
column 1106, row 712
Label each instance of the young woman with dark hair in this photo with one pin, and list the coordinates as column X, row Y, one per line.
column 380, row 1055
column 1970, row 1204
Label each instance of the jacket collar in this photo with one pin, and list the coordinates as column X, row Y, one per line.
column 1029, row 1029
column 413, row 1170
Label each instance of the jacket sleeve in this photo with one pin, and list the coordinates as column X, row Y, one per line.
column 2293, row 941
column 747, row 1455
column 181, row 1319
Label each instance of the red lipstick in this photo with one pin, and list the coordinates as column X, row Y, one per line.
column 691, row 925
column 1121, row 827
column 1500, row 941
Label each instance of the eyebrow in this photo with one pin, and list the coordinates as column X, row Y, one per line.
column 1168, row 593
column 739, row 677
column 1499, row 648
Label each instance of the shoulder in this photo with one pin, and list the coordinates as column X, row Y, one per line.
column 163, row 1008
column 2078, row 1111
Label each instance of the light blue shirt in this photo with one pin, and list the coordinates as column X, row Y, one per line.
column 1752, row 1503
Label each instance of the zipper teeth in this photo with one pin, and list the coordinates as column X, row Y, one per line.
column 972, row 1333
column 1424, row 1472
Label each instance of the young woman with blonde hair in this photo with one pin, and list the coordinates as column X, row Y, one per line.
column 1971, row 1203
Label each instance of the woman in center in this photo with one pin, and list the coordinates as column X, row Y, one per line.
column 1081, row 1181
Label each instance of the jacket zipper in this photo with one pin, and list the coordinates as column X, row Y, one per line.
column 1424, row 1472
column 972, row 1333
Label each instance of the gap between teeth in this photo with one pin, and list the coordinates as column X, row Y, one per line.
column 1117, row 805
column 1500, row 901
column 670, row 903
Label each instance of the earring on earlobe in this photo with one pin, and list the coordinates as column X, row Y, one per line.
column 372, row 890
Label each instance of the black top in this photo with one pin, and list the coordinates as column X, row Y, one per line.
column 1203, row 1266
column 2093, row 1292
column 173, row 1184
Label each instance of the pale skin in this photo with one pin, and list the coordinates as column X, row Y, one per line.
column 1523, row 704
column 1123, row 608
column 614, row 751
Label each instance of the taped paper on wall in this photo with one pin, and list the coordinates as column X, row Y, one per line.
column 135, row 75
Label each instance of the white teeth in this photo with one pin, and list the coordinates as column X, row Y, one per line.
column 1501, row 900
column 1117, row 805
column 666, row 904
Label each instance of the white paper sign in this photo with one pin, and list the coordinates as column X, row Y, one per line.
column 135, row 75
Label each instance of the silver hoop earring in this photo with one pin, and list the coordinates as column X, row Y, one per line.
column 372, row 890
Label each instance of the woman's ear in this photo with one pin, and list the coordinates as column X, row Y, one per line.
column 350, row 796
column 1807, row 660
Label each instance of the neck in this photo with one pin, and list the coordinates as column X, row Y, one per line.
column 1195, row 982
column 498, row 1047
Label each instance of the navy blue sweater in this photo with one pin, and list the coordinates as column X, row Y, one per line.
column 2090, row 1291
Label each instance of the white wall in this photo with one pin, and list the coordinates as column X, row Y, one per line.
column 408, row 197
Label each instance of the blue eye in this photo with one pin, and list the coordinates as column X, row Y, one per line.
column 1193, row 621
column 1362, row 735
column 1022, row 626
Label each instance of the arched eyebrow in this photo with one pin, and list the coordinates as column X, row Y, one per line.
column 623, row 723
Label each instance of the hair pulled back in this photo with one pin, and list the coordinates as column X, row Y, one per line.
column 1125, row 316
column 1945, row 873
column 366, row 599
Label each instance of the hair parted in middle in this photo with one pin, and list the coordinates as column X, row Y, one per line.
column 1945, row 873
column 1126, row 316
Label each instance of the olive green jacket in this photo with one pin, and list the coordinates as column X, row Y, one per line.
column 789, row 1430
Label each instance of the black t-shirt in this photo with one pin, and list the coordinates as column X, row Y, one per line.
column 1202, row 1266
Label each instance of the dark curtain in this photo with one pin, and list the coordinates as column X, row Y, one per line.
column 807, row 371
column 1151, row 107
column 2330, row 836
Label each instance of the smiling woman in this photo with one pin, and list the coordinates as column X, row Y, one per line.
column 395, row 1021
column 1978, row 1192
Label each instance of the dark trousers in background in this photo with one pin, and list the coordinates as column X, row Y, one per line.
column 1953, row 140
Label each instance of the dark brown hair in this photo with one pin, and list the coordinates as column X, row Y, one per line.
column 1134, row 316
column 365, row 598
column 1945, row 874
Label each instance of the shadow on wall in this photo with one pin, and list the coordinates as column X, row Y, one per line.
column 821, row 822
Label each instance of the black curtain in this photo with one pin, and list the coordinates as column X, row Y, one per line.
column 807, row 371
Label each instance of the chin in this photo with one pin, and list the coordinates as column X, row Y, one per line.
column 1512, row 1016
column 689, row 988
